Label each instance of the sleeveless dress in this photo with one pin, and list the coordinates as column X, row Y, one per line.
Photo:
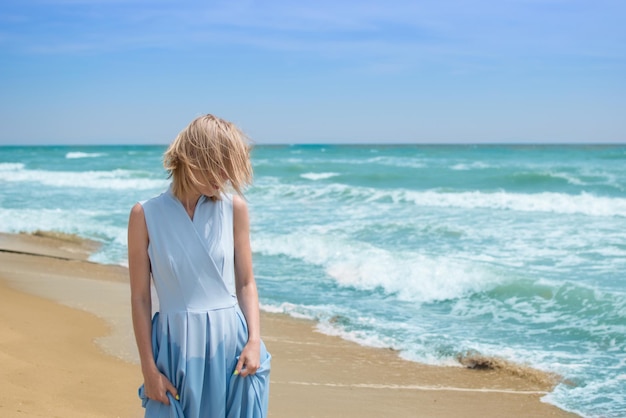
column 199, row 332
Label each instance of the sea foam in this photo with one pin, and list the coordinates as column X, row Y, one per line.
column 78, row 154
column 114, row 179
column 409, row 275
column 562, row 203
column 318, row 176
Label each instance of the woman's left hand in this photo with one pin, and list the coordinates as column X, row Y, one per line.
column 249, row 360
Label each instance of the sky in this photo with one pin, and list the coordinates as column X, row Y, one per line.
column 353, row 71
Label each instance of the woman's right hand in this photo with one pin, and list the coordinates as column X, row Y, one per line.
column 157, row 385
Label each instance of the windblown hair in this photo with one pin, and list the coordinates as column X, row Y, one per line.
column 208, row 151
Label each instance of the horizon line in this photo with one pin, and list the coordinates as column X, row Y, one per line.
column 330, row 144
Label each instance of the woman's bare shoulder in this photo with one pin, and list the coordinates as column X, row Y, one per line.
column 239, row 204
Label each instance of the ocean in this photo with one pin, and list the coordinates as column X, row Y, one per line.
column 515, row 251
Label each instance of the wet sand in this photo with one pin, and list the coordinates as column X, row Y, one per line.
column 67, row 350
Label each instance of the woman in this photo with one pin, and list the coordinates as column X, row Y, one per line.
column 202, row 354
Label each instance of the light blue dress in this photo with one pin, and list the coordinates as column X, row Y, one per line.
column 200, row 331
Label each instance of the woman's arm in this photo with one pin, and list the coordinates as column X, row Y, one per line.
column 156, row 384
column 247, row 294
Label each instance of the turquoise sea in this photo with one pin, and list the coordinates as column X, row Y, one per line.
column 514, row 251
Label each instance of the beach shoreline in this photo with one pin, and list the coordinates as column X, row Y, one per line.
column 66, row 320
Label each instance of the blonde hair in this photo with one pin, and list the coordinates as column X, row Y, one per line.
column 209, row 150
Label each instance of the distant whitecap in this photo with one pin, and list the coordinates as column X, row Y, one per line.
column 318, row 176
column 78, row 154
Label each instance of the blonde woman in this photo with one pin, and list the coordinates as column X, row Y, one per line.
column 201, row 354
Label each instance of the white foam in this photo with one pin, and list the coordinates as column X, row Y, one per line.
column 550, row 202
column 567, row 177
column 410, row 275
column 65, row 220
column 11, row 166
column 407, row 162
column 296, row 311
column 600, row 396
column 73, row 221
column 583, row 203
column 78, row 154
column 471, row 166
column 360, row 337
column 115, row 179
column 318, row 176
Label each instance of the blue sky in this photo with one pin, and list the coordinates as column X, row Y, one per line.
column 137, row 71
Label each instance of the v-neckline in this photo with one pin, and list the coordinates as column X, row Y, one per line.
column 195, row 208
column 197, row 232
column 192, row 215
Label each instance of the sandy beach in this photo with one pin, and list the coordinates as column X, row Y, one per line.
column 67, row 350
